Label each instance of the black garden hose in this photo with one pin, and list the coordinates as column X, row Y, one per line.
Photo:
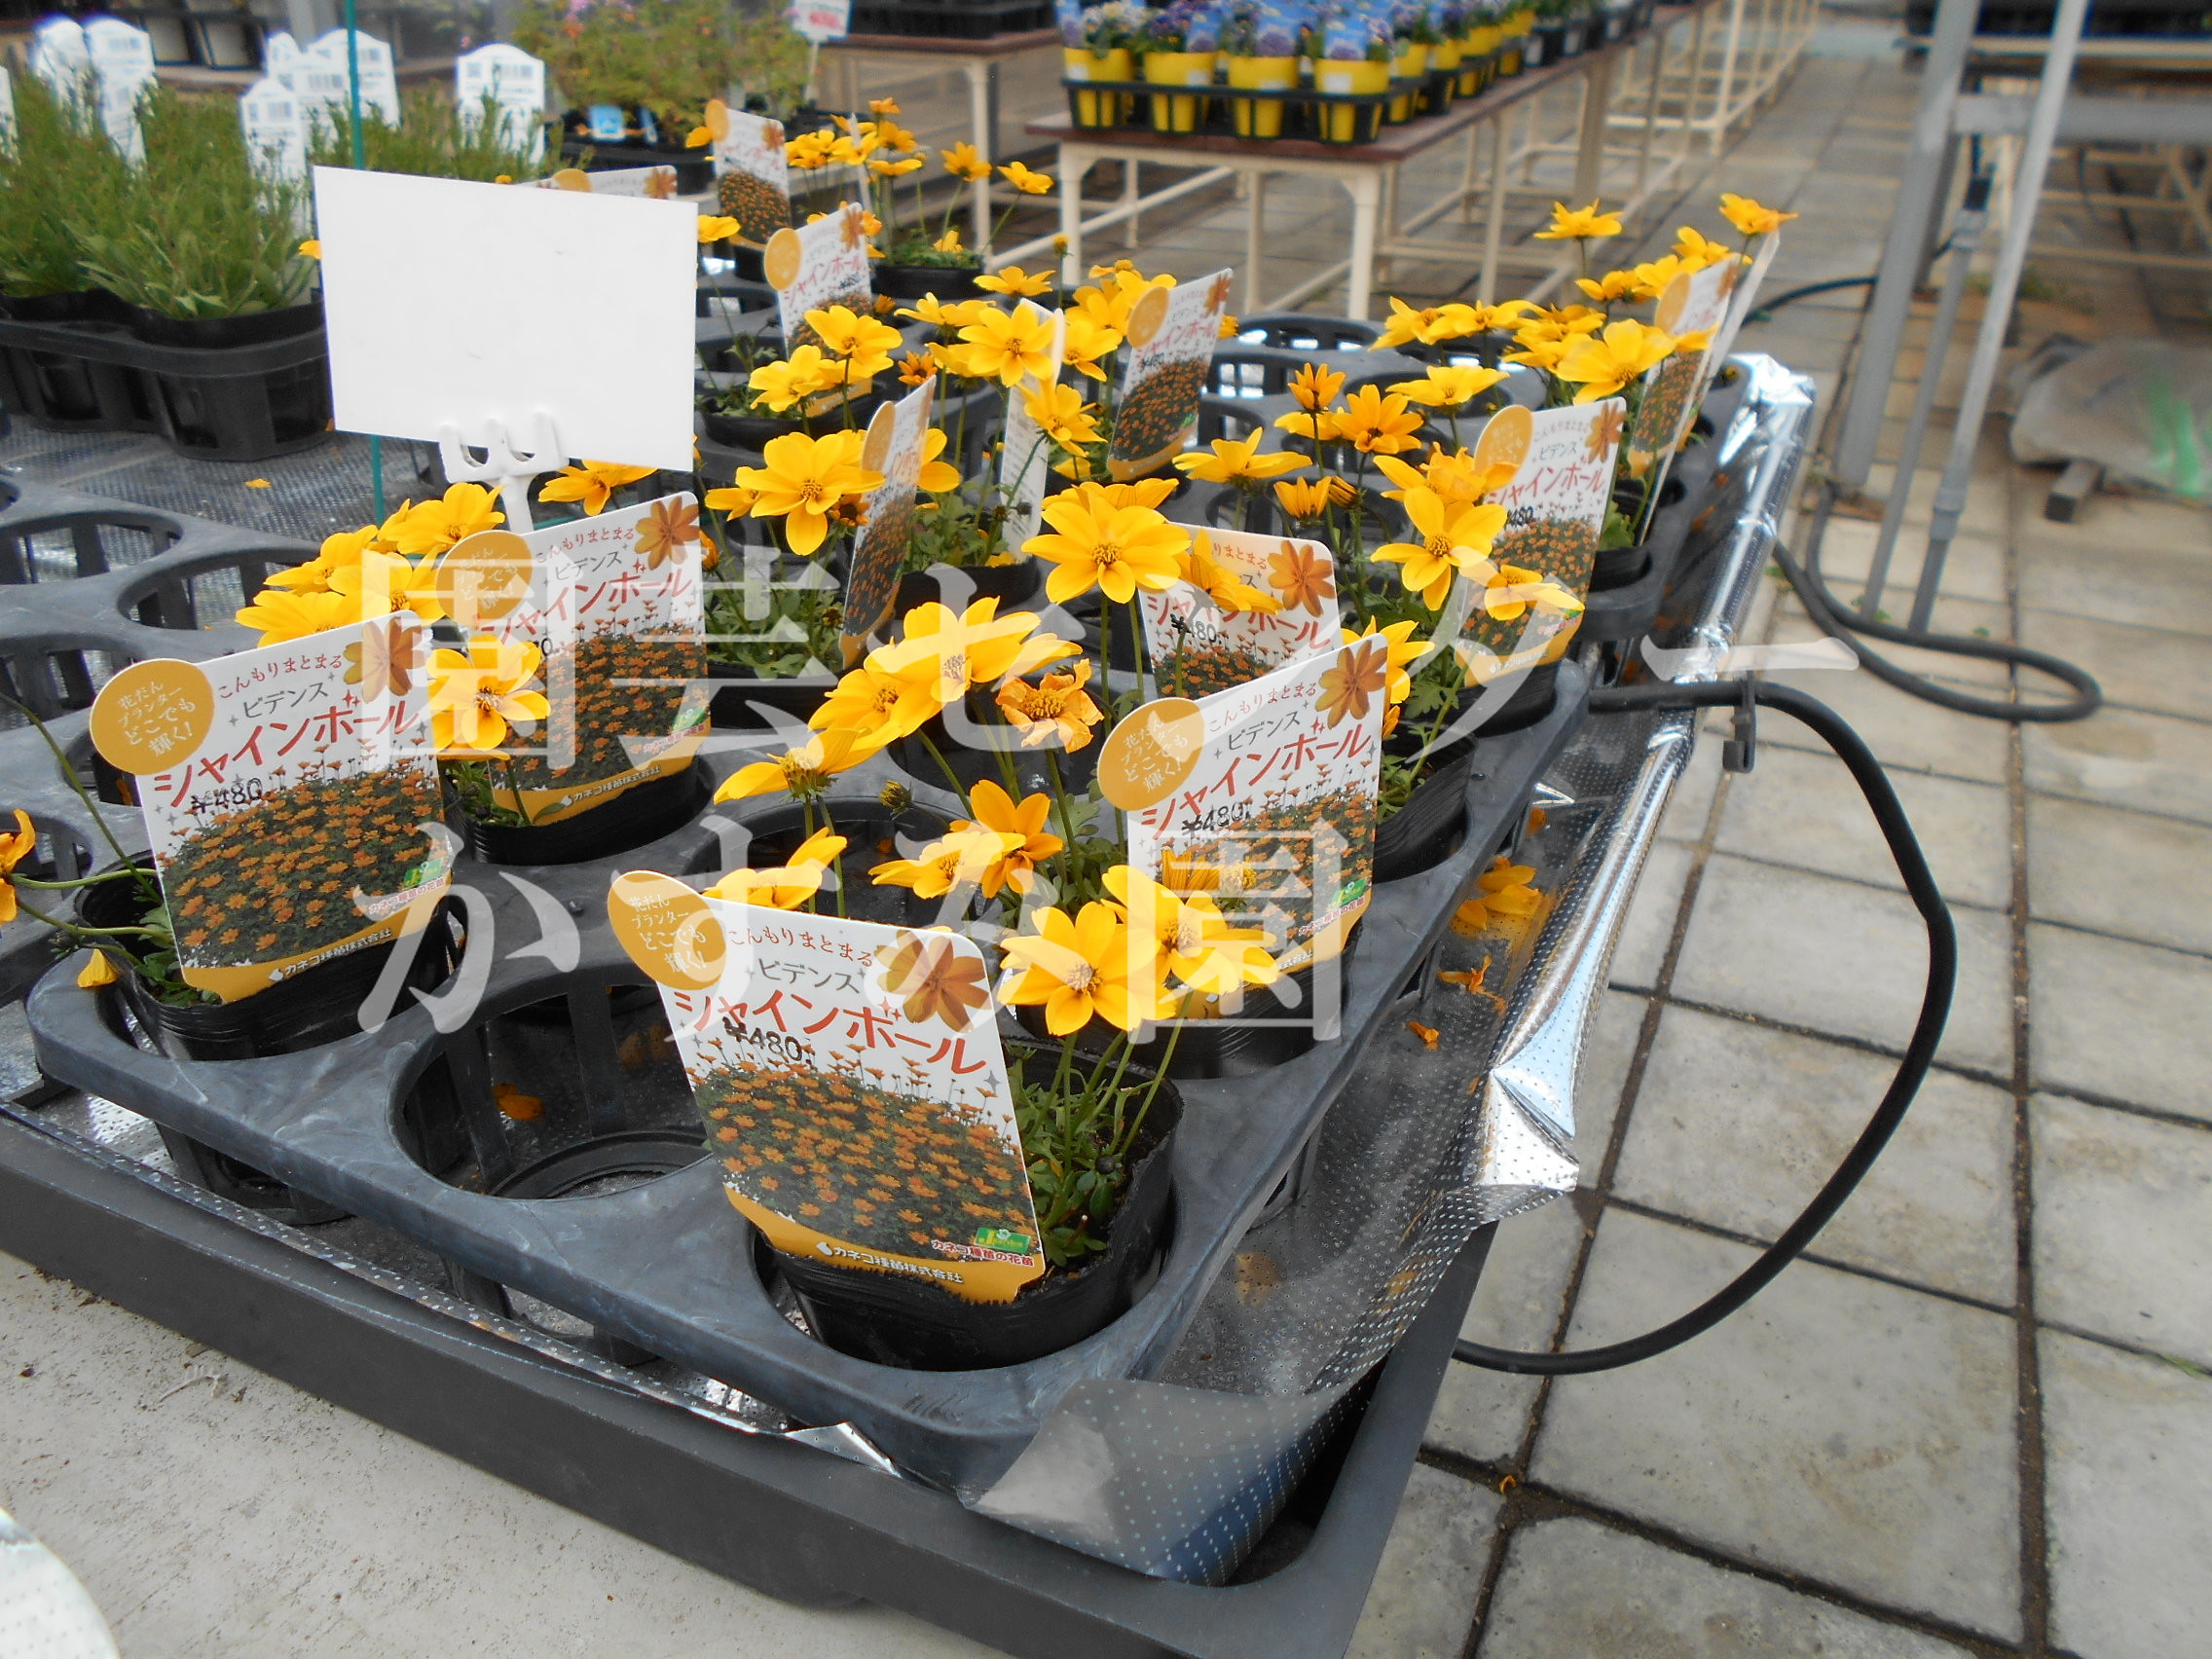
column 1837, row 619
column 1927, row 1031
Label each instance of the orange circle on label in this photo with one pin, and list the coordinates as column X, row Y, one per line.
column 876, row 447
column 153, row 715
column 717, row 122
column 1147, row 315
column 1672, row 303
column 1149, row 755
column 574, row 178
column 667, row 929
column 485, row 576
column 1506, row 438
column 781, row 259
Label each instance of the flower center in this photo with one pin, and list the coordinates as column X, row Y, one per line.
column 1080, row 977
column 1439, row 547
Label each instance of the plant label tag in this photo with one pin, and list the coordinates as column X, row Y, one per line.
column 280, row 57
column 276, row 130
column 1744, row 297
column 1275, row 820
column 610, row 123
column 512, row 82
column 482, row 340
column 615, row 606
column 894, row 448
column 123, row 63
column 326, row 75
column 1695, row 303
column 1203, row 639
column 813, row 267
column 1555, row 509
column 7, row 109
column 59, row 57
column 820, row 20
column 655, row 184
column 855, row 1094
column 753, row 180
column 1172, row 337
column 292, row 804
column 1025, row 458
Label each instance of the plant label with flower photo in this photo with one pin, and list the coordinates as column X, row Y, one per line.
column 292, row 812
column 1275, row 817
column 820, row 20
column 514, row 83
column 615, row 607
column 1695, row 302
column 1249, row 604
column 816, row 267
column 1743, row 296
column 1025, row 456
column 1172, row 337
column 655, row 184
column 854, row 1090
column 894, row 448
column 1555, row 510
column 752, row 181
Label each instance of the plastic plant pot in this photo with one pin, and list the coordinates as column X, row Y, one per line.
column 740, row 690
column 642, row 813
column 204, row 333
column 913, row 1324
column 1409, row 64
column 1260, row 118
column 948, row 282
column 873, row 835
column 1350, row 123
column 962, row 585
column 1097, row 109
column 1177, row 69
column 1426, row 830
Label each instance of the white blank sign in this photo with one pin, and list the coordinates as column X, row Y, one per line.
column 490, row 308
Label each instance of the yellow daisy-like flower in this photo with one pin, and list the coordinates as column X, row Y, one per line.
column 1008, row 348
column 863, row 343
column 1088, row 966
column 1447, row 386
column 1378, row 424
column 803, row 481
column 1064, row 417
column 1653, row 278
column 1116, row 549
column 1696, row 251
column 436, row 525
column 1308, row 498
column 381, row 583
column 1453, row 537
column 883, row 168
column 964, row 162
column 804, row 772
column 963, row 857
column 949, row 242
column 786, row 886
column 593, row 484
column 798, row 376
column 1238, row 461
column 717, row 227
column 280, row 614
column 1508, row 591
column 1024, row 180
column 1314, row 387
column 1750, row 218
column 875, row 706
column 1088, row 340
column 477, row 699
column 1579, row 224
column 1319, row 426
column 1056, row 710
column 1016, row 284
column 1404, row 325
column 1601, row 364
column 1196, row 942
column 997, row 814
column 951, row 653
column 1612, row 286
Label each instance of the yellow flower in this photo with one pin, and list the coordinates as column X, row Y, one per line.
column 1653, row 278
column 1087, row 341
column 1579, row 224
column 1063, row 415
column 436, row 525
column 283, row 616
column 1016, row 283
column 1376, row 423
column 935, row 476
column 930, row 310
column 949, row 242
column 804, row 480
column 1318, row 425
column 1057, row 709
column 1453, row 537
column 895, row 169
column 876, row 707
column 803, row 374
column 950, row 654
column 311, row 248
column 1539, row 352
column 381, row 583
column 914, row 368
column 99, row 971
column 1022, row 179
column 699, row 138
column 1006, row 348
column 1447, row 386
column 1696, row 253
column 736, row 503
column 1403, row 651
column 477, row 699
column 1508, row 591
column 1194, row 940
column 1090, row 967
column 965, row 161
column 1750, row 218
column 16, row 845
column 808, row 151
column 592, row 484
column 789, row 886
column 1228, row 593
column 1316, row 388
column 1404, row 325
column 863, row 343
column 996, row 813
column 804, row 771
column 1603, row 363
column 717, row 227
column 1238, row 461
column 884, row 106
column 1308, row 498
column 965, row 858
column 1114, row 549
column 1612, row 286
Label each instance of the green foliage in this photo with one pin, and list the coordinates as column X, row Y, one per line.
column 61, row 168
column 430, row 141
column 801, row 622
column 193, row 233
column 1080, row 1126
column 668, row 55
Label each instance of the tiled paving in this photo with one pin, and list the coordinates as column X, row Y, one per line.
column 1976, row 1420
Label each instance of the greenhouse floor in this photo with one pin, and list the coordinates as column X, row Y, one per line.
column 1978, row 1421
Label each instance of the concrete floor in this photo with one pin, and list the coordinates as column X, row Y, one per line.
column 1978, row 1420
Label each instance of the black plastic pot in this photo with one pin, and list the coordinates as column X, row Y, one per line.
column 695, row 168
column 741, row 687
column 972, row 765
column 948, row 282
column 1544, row 44
column 638, row 815
column 907, row 1323
column 1426, row 830
column 213, row 333
column 85, row 304
column 872, row 834
column 1272, row 1025
column 1012, row 585
column 754, row 432
column 1618, row 566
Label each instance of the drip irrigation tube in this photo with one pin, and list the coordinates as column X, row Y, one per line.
column 1837, row 619
column 1934, row 1009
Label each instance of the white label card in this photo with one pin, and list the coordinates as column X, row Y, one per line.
column 276, row 130
column 818, row 266
column 515, row 83
column 1198, row 647
column 1172, row 336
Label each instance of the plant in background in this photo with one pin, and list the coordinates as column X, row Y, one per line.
column 432, row 141
column 59, row 171
column 667, row 56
